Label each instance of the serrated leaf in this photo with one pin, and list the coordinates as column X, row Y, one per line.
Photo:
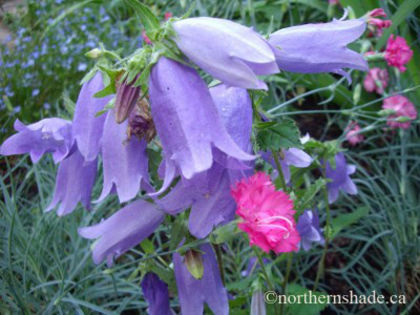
column 148, row 19
column 310, row 193
column 344, row 220
column 274, row 136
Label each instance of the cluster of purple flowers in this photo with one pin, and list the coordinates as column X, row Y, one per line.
column 205, row 135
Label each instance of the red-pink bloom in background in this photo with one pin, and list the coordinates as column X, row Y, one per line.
column 378, row 24
column 334, row 1
column 168, row 15
column 268, row 215
column 403, row 108
column 146, row 38
column 376, row 80
column 397, row 52
column 352, row 136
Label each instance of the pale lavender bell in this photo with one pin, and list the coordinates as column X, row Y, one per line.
column 156, row 294
column 193, row 293
column 313, row 48
column 187, row 120
column 50, row 135
column 229, row 51
column 309, row 230
column 123, row 230
column 74, row 183
column 125, row 161
column 340, row 178
column 87, row 126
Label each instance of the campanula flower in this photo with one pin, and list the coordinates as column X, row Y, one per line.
column 187, row 120
column 398, row 53
column 340, row 178
column 156, row 294
column 309, row 230
column 376, row 80
column 258, row 303
column 403, row 108
column 313, row 48
column 123, row 230
column 193, row 293
column 267, row 214
column 352, row 135
column 230, row 52
column 49, row 135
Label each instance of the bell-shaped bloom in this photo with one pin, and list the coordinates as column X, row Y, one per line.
column 229, row 51
column 258, row 303
column 123, row 230
column 187, row 120
column 309, row 230
column 125, row 161
column 313, row 48
column 376, row 80
column 268, row 215
column 403, row 108
column 156, row 294
column 340, row 178
column 50, row 135
column 398, row 53
column 74, row 183
column 353, row 136
column 193, row 293
column 126, row 99
column 87, row 128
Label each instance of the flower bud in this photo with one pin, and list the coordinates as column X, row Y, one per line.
column 94, row 53
column 127, row 95
column 194, row 263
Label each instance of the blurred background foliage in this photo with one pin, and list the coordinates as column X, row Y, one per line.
column 45, row 266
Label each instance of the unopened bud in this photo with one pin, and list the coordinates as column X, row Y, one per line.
column 127, row 95
column 403, row 119
column 386, row 112
column 94, row 53
column 194, row 263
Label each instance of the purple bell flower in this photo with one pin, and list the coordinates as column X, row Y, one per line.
column 229, row 51
column 193, row 293
column 125, row 161
column 314, row 48
column 156, row 294
column 309, row 230
column 87, row 128
column 50, row 135
column 74, row 183
column 340, row 178
column 187, row 120
column 258, row 303
column 123, row 230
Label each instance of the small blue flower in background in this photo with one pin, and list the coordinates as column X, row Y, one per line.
column 35, row 92
column 309, row 230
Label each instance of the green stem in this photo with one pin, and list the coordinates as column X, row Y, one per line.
column 279, row 170
column 220, row 262
column 286, row 277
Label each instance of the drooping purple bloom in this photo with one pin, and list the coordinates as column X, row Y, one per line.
column 74, row 183
column 125, row 160
column 309, row 230
column 156, row 294
column 123, row 230
column 314, row 48
column 193, row 293
column 187, row 120
column 228, row 51
column 50, row 135
column 340, row 178
column 258, row 303
column 87, row 128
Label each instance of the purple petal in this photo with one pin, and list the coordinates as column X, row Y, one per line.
column 123, row 230
column 230, row 52
column 340, row 178
column 297, row 157
column 125, row 161
column 87, row 129
column 194, row 293
column 74, row 183
column 50, row 135
column 156, row 293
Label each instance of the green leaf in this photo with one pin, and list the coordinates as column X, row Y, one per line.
column 309, row 194
column 147, row 246
column 304, row 308
column 344, row 220
column 404, row 10
column 224, row 233
column 274, row 136
column 148, row 19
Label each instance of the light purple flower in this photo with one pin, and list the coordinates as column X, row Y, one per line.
column 125, row 161
column 187, row 120
column 313, row 48
column 74, row 183
column 309, row 230
column 87, row 128
column 228, row 51
column 258, row 303
column 340, row 178
column 123, row 230
column 156, row 294
column 193, row 293
column 50, row 135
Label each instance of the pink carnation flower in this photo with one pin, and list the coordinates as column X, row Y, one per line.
column 397, row 52
column 376, row 75
column 267, row 214
column 378, row 24
column 403, row 108
column 352, row 136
